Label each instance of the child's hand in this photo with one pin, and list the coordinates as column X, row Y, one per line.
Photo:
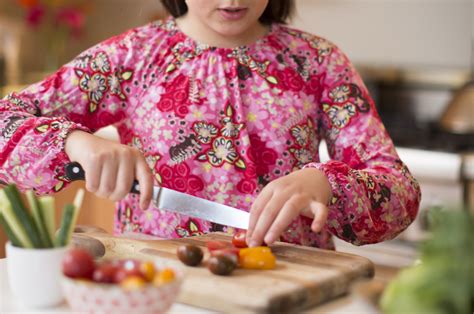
column 303, row 192
column 110, row 167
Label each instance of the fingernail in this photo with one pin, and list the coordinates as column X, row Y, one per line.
column 269, row 239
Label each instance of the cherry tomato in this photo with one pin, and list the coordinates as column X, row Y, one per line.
column 123, row 273
column 148, row 270
column 221, row 265
column 190, row 255
column 232, row 253
column 105, row 273
column 164, row 276
column 238, row 240
column 133, row 283
column 78, row 263
column 257, row 258
column 217, row 245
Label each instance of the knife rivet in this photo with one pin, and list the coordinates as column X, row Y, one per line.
column 76, row 170
column 137, row 187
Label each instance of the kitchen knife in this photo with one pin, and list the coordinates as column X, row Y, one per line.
column 182, row 203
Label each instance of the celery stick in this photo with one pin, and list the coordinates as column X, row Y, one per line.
column 78, row 199
column 67, row 224
column 23, row 215
column 38, row 218
column 13, row 221
column 49, row 214
column 9, row 232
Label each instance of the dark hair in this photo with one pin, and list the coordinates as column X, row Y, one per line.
column 277, row 11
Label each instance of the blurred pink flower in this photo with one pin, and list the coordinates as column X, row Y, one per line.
column 35, row 15
column 59, row 15
column 72, row 18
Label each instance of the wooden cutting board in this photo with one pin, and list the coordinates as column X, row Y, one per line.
column 304, row 277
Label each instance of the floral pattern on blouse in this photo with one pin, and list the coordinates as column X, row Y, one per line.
column 219, row 124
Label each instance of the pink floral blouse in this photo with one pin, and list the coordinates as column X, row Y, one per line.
column 219, row 124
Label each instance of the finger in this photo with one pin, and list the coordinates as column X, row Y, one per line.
column 258, row 205
column 320, row 212
column 267, row 217
column 93, row 172
column 108, row 178
column 145, row 179
column 290, row 210
column 125, row 176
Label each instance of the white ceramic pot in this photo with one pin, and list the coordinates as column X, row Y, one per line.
column 35, row 275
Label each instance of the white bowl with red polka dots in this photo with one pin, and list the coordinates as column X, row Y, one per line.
column 90, row 297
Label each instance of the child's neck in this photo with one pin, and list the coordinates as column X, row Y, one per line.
column 202, row 33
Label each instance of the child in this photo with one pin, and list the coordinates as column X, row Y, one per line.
column 224, row 102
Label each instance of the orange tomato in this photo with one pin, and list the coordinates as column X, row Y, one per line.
column 260, row 257
column 164, row 276
column 148, row 270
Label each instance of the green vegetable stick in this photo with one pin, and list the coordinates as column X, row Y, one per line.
column 78, row 199
column 23, row 215
column 9, row 216
column 9, row 232
column 38, row 218
column 65, row 230
column 49, row 214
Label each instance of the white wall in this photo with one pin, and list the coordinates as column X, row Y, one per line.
column 394, row 32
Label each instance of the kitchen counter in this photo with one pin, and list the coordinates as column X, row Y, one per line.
column 351, row 303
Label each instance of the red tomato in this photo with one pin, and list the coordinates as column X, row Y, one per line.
column 238, row 240
column 231, row 253
column 217, row 245
column 105, row 273
column 78, row 263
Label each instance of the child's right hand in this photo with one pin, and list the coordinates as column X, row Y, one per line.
column 110, row 167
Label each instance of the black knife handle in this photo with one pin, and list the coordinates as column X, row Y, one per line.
column 74, row 172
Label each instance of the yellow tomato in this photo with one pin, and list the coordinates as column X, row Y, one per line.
column 148, row 270
column 260, row 257
column 133, row 283
column 164, row 276
column 255, row 250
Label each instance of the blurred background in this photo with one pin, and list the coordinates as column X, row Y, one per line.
column 406, row 33
column 414, row 55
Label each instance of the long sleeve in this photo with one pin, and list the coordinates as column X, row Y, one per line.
column 88, row 93
column 374, row 195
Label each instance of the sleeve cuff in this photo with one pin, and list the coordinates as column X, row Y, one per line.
column 336, row 172
column 65, row 128
column 62, row 127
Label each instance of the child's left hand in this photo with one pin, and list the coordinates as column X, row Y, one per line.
column 303, row 192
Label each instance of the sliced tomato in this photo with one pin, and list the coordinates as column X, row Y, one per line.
column 238, row 240
column 257, row 258
column 232, row 253
column 218, row 245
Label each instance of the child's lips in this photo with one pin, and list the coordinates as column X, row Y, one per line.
column 232, row 13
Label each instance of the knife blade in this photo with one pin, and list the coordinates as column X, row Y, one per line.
column 182, row 203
